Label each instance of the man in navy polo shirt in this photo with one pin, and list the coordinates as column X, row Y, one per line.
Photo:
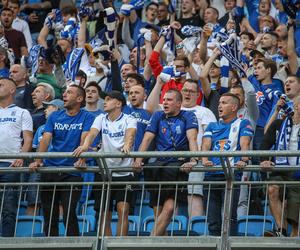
column 66, row 130
column 228, row 134
column 174, row 130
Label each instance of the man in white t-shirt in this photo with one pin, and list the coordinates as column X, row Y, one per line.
column 16, row 137
column 20, row 24
column 190, row 93
column 118, row 132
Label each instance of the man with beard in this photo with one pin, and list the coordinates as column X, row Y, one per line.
column 65, row 130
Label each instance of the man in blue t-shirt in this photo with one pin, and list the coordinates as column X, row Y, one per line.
column 174, row 130
column 265, row 86
column 65, row 130
column 228, row 134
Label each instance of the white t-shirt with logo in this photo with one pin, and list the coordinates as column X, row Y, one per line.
column 13, row 121
column 113, row 138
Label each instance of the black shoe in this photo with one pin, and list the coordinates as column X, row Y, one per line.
column 274, row 233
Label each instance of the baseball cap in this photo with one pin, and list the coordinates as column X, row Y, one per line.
column 56, row 102
column 217, row 63
column 115, row 95
column 255, row 51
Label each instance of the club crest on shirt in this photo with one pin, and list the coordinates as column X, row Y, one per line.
column 178, row 130
column 260, row 97
column 13, row 113
column 164, row 130
column 222, row 145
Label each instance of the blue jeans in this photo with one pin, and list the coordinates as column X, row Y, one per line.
column 215, row 207
column 31, row 191
column 9, row 196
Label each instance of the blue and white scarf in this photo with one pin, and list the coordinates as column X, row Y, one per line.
column 110, row 23
column 283, row 141
column 230, row 50
column 70, row 31
column 98, row 39
column 72, row 64
column 33, row 58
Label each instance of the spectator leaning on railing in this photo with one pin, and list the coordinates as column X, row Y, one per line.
column 65, row 130
column 117, row 135
column 228, row 134
column 175, row 130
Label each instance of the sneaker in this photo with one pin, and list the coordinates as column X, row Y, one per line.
column 274, row 233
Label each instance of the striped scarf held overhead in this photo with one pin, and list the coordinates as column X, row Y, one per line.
column 230, row 59
column 33, row 58
column 110, row 23
column 98, row 39
column 72, row 64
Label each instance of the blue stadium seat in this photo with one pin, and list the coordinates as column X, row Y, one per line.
column 87, row 223
column 133, row 224
column 183, row 210
column 22, row 208
column 255, row 225
column 28, row 226
column 146, row 211
column 199, row 224
column 179, row 223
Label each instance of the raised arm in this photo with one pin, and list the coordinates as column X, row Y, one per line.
column 42, row 38
column 203, row 43
column 292, row 56
column 82, row 32
column 126, row 33
column 204, row 73
column 250, row 99
column 153, row 99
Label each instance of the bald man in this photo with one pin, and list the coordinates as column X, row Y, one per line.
column 22, row 97
column 19, row 139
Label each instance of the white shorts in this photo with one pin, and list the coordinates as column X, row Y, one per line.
column 196, row 189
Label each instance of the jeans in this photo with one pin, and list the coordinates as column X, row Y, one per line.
column 216, row 205
column 60, row 195
column 31, row 191
column 9, row 199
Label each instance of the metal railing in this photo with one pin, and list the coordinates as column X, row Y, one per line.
column 90, row 222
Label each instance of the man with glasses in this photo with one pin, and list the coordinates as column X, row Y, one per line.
column 190, row 93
